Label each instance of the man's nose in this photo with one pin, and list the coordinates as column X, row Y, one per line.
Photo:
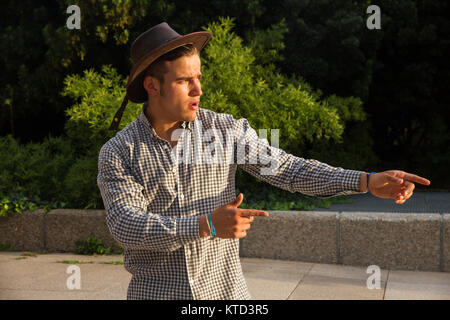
column 197, row 89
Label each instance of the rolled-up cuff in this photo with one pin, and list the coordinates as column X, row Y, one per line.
column 187, row 229
column 351, row 181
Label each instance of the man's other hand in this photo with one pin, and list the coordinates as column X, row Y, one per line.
column 395, row 184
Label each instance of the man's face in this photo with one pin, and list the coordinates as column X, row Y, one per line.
column 180, row 93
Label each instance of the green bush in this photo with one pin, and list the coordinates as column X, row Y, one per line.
column 97, row 96
column 34, row 171
column 18, row 202
column 92, row 246
column 234, row 84
column 9, row 206
column 355, row 147
column 5, row 246
column 80, row 184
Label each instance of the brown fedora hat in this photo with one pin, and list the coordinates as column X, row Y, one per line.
column 148, row 47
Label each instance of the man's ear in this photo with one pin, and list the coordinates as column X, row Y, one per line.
column 151, row 85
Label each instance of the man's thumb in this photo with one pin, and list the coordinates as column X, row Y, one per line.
column 237, row 202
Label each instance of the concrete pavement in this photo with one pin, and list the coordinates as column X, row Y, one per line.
column 26, row 276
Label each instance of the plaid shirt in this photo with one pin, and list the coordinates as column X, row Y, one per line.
column 154, row 194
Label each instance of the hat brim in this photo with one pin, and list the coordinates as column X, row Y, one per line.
column 135, row 91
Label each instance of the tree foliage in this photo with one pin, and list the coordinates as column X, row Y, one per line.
column 400, row 72
column 31, row 105
column 65, row 168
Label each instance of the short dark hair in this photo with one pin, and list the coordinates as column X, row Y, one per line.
column 157, row 69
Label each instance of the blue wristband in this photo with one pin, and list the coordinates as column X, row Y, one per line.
column 213, row 230
column 367, row 178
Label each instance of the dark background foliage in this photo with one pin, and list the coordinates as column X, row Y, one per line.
column 401, row 72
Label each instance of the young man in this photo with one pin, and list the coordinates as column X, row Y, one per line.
column 173, row 210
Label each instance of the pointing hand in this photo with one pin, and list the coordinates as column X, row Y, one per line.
column 233, row 222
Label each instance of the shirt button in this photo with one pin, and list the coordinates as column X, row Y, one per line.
column 174, row 170
column 181, row 196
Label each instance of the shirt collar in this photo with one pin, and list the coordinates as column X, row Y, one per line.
column 185, row 125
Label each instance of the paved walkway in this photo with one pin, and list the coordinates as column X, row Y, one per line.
column 44, row 277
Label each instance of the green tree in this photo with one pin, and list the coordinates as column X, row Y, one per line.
column 97, row 97
column 38, row 51
column 232, row 83
column 235, row 84
column 403, row 66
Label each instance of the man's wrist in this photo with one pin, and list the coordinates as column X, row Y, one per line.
column 363, row 183
column 203, row 230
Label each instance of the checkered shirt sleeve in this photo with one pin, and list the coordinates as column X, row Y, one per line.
column 128, row 218
column 288, row 172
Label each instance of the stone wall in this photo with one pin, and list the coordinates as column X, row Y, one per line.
column 388, row 240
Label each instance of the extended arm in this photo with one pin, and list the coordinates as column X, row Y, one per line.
column 289, row 172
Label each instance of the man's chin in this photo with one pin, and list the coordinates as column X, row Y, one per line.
column 192, row 117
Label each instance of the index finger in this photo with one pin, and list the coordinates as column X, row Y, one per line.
column 415, row 178
column 252, row 212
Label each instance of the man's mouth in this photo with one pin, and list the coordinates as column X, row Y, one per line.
column 194, row 105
